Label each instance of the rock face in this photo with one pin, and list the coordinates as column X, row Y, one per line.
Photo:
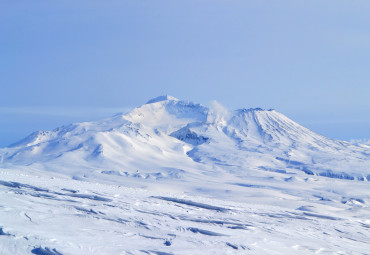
column 166, row 134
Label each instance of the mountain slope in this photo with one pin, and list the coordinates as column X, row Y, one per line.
column 167, row 136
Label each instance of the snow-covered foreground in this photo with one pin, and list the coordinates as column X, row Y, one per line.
column 174, row 177
column 260, row 215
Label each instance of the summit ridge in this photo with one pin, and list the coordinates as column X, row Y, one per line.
column 162, row 98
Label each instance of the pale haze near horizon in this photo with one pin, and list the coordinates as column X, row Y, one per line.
column 74, row 61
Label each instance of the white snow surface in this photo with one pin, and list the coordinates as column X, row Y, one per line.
column 176, row 177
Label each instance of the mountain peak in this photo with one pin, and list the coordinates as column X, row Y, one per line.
column 171, row 133
column 162, row 98
column 244, row 110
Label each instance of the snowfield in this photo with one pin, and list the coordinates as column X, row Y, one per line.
column 175, row 177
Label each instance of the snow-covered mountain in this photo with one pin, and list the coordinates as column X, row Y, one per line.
column 175, row 177
column 168, row 137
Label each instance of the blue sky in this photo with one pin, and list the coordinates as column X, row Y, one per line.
column 67, row 61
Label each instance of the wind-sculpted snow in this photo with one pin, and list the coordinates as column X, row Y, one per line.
column 191, row 203
column 248, row 219
column 45, row 251
column 2, row 233
column 176, row 177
